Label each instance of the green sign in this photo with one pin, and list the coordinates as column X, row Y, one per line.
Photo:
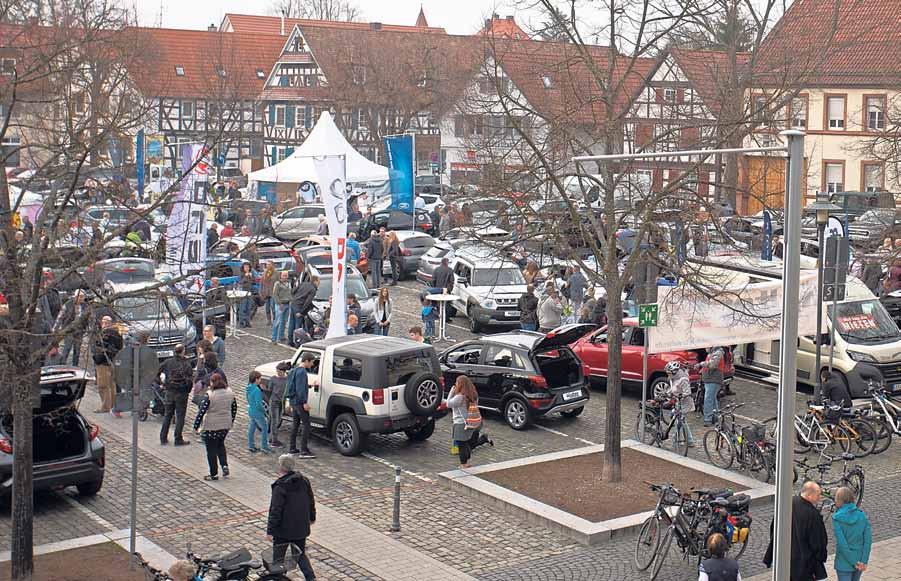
column 647, row 315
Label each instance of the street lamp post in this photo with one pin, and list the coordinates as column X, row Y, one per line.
column 822, row 206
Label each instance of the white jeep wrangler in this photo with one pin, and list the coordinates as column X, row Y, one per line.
column 369, row 384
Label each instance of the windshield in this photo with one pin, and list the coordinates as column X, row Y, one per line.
column 354, row 284
column 884, row 216
column 147, row 308
column 864, row 322
column 499, row 277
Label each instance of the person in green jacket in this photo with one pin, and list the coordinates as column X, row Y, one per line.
column 853, row 537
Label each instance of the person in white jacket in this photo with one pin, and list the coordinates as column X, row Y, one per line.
column 383, row 312
column 550, row 311
column 680, row 388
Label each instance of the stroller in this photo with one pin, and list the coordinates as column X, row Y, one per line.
column 153, row 401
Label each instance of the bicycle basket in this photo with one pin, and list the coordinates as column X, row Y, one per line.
column 286, row 563
column 755, row 433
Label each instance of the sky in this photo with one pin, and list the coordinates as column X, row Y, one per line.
column 457, row 16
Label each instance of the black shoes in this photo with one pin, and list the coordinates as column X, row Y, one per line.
column 182, row 442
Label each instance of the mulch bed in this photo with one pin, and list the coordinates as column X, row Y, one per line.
column 105, row 562
column 574, row 484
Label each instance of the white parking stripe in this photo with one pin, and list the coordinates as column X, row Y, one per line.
column 387, row 463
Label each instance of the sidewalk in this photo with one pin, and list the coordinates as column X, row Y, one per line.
column 885, row 563
column 376, row 552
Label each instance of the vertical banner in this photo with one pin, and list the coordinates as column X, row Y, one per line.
column 399, row 149
column 331, row 173
column 186, row 233
column 767, row 250
column 139, row 162
column 154, row 149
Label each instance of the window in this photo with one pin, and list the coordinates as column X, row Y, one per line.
column 359, row 74
column 9, row 149
column 547, row 81
column 833, row 177
column 835, row 112
column 400, row 369
column 279, row 116
column 759, row 114
column 669, row 95
column 220, row 71
column 187, row 109
column 179, row 71
column 666, row 138
column 797, row 116
column 317, row 358
column 347, row 368
column 261, row 74
column 466, row 355
column 873, row 177
column 8, row 66
column 875, row 113
column 502, row 356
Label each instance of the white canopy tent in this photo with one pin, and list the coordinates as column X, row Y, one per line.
column 324, row 139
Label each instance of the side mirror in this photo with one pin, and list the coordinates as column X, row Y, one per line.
column 462, row 280
column 826, row 339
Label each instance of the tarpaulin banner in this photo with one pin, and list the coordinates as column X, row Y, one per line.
column 186, row 233
column 155, row 148
column 731, row 315
column 399, row 149
column 331, row 173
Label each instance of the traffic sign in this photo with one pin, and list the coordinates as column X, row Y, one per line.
column 647, row 315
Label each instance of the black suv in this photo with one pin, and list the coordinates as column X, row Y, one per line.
column 522, row 374
column 66, row 447
column 393, row 220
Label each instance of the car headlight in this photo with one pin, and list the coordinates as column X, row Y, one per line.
column 489, row 304
column 861, row 357
column 191, row 334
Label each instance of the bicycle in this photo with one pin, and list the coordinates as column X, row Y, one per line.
column 238, row 565
column 812, row 431
column 728, row 442
column 657, row 430
column 883, row 411
column 855, row 479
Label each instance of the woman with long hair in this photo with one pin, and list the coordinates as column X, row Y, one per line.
column 214, row 420
column 530, row 272
column 463, row 400
column 383, row 312
column 267, row 282
column 393, row 252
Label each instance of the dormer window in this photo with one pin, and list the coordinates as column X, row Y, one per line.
column 8, row 66
column 359, row 72
column 220, row 71
column 179, row 71
column 261, row 74
column 547, row 81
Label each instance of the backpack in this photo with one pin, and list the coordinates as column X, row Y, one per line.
column 473, row 416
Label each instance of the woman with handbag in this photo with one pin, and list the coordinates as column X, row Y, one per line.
column 213, row 422
column 205, row 369
column 464, row 402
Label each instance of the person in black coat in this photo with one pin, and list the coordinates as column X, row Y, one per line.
column 292, row 511
column 809, row 539
column 835, row 390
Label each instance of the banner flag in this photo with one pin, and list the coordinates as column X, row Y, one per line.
column 331, row 173
column 399, row 149
column 186, row 232
column 767, row 250
column 154, row 148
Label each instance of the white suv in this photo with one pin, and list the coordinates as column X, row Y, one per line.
column 489, row 289
column 369, row 384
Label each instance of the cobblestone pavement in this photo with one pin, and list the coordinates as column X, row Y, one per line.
column 885, row 563
column 464, row 533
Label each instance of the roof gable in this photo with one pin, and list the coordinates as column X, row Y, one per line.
column 704, row 70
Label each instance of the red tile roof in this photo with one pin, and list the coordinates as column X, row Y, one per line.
column 555, row 79
column 834, row 43
column 503, row 28
column 257, row 24
column 200, row 53
column 702, row 69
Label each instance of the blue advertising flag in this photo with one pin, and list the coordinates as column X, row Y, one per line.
column 400, row 171
column 139, row 162
column 767, row 250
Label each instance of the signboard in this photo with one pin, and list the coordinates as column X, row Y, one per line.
column 154, row 148
column 399, row 149
column 331, row 173
column 767, row 250
column 835, row 261
column 746, row 313
column 648, row 315
column 186, row 233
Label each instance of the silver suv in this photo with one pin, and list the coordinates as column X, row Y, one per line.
column 369, row 384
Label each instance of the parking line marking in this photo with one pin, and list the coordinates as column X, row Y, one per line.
column 584, row 441
column 375, row 458
column 552, row 431
column 86, row 511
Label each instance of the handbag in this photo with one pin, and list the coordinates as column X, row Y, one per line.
column 197, row 392
column 473, row 417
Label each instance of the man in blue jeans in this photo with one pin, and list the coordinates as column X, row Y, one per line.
column 281, row 296
column 712, row 376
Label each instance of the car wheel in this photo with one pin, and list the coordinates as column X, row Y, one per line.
column 422, row 394
column 421, row 433
column 573, row 413
column 89, row 488
column 474, row 326
column 659, row 387
column 346, row 435
column 517, row 413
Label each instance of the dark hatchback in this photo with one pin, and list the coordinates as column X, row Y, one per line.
column 66, row 447
column 522, row 374
column 393, row 220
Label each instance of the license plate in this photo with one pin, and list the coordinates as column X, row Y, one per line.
column 572, row 395
column 166, row 353
column 513, row 313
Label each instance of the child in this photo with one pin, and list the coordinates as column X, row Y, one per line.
column 680, row 389
column 277, row 387
column 429, row 316
column 256, row 409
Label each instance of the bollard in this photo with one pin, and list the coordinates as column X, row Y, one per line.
column 395, row 520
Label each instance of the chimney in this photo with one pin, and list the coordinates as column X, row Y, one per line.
column 487, row 24
column 510, row 18
column 211, row 28
column 283, row 25
column 375, row 25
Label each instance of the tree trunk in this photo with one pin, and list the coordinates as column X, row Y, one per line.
column 23, row 489
column 613, row 470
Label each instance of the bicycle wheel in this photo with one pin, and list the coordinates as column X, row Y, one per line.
column 856, row 481
column 679, row 438
column 647, row 542
column 863, row 437
column 883, row 434
column 830, row 440
column 650, row 428
column 758, row 464
column 802, row 440
column 736, row 550
column 772, row 424
column 662, row 552
column 719, row 449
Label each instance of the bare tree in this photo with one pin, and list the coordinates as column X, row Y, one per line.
column 317, row 9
